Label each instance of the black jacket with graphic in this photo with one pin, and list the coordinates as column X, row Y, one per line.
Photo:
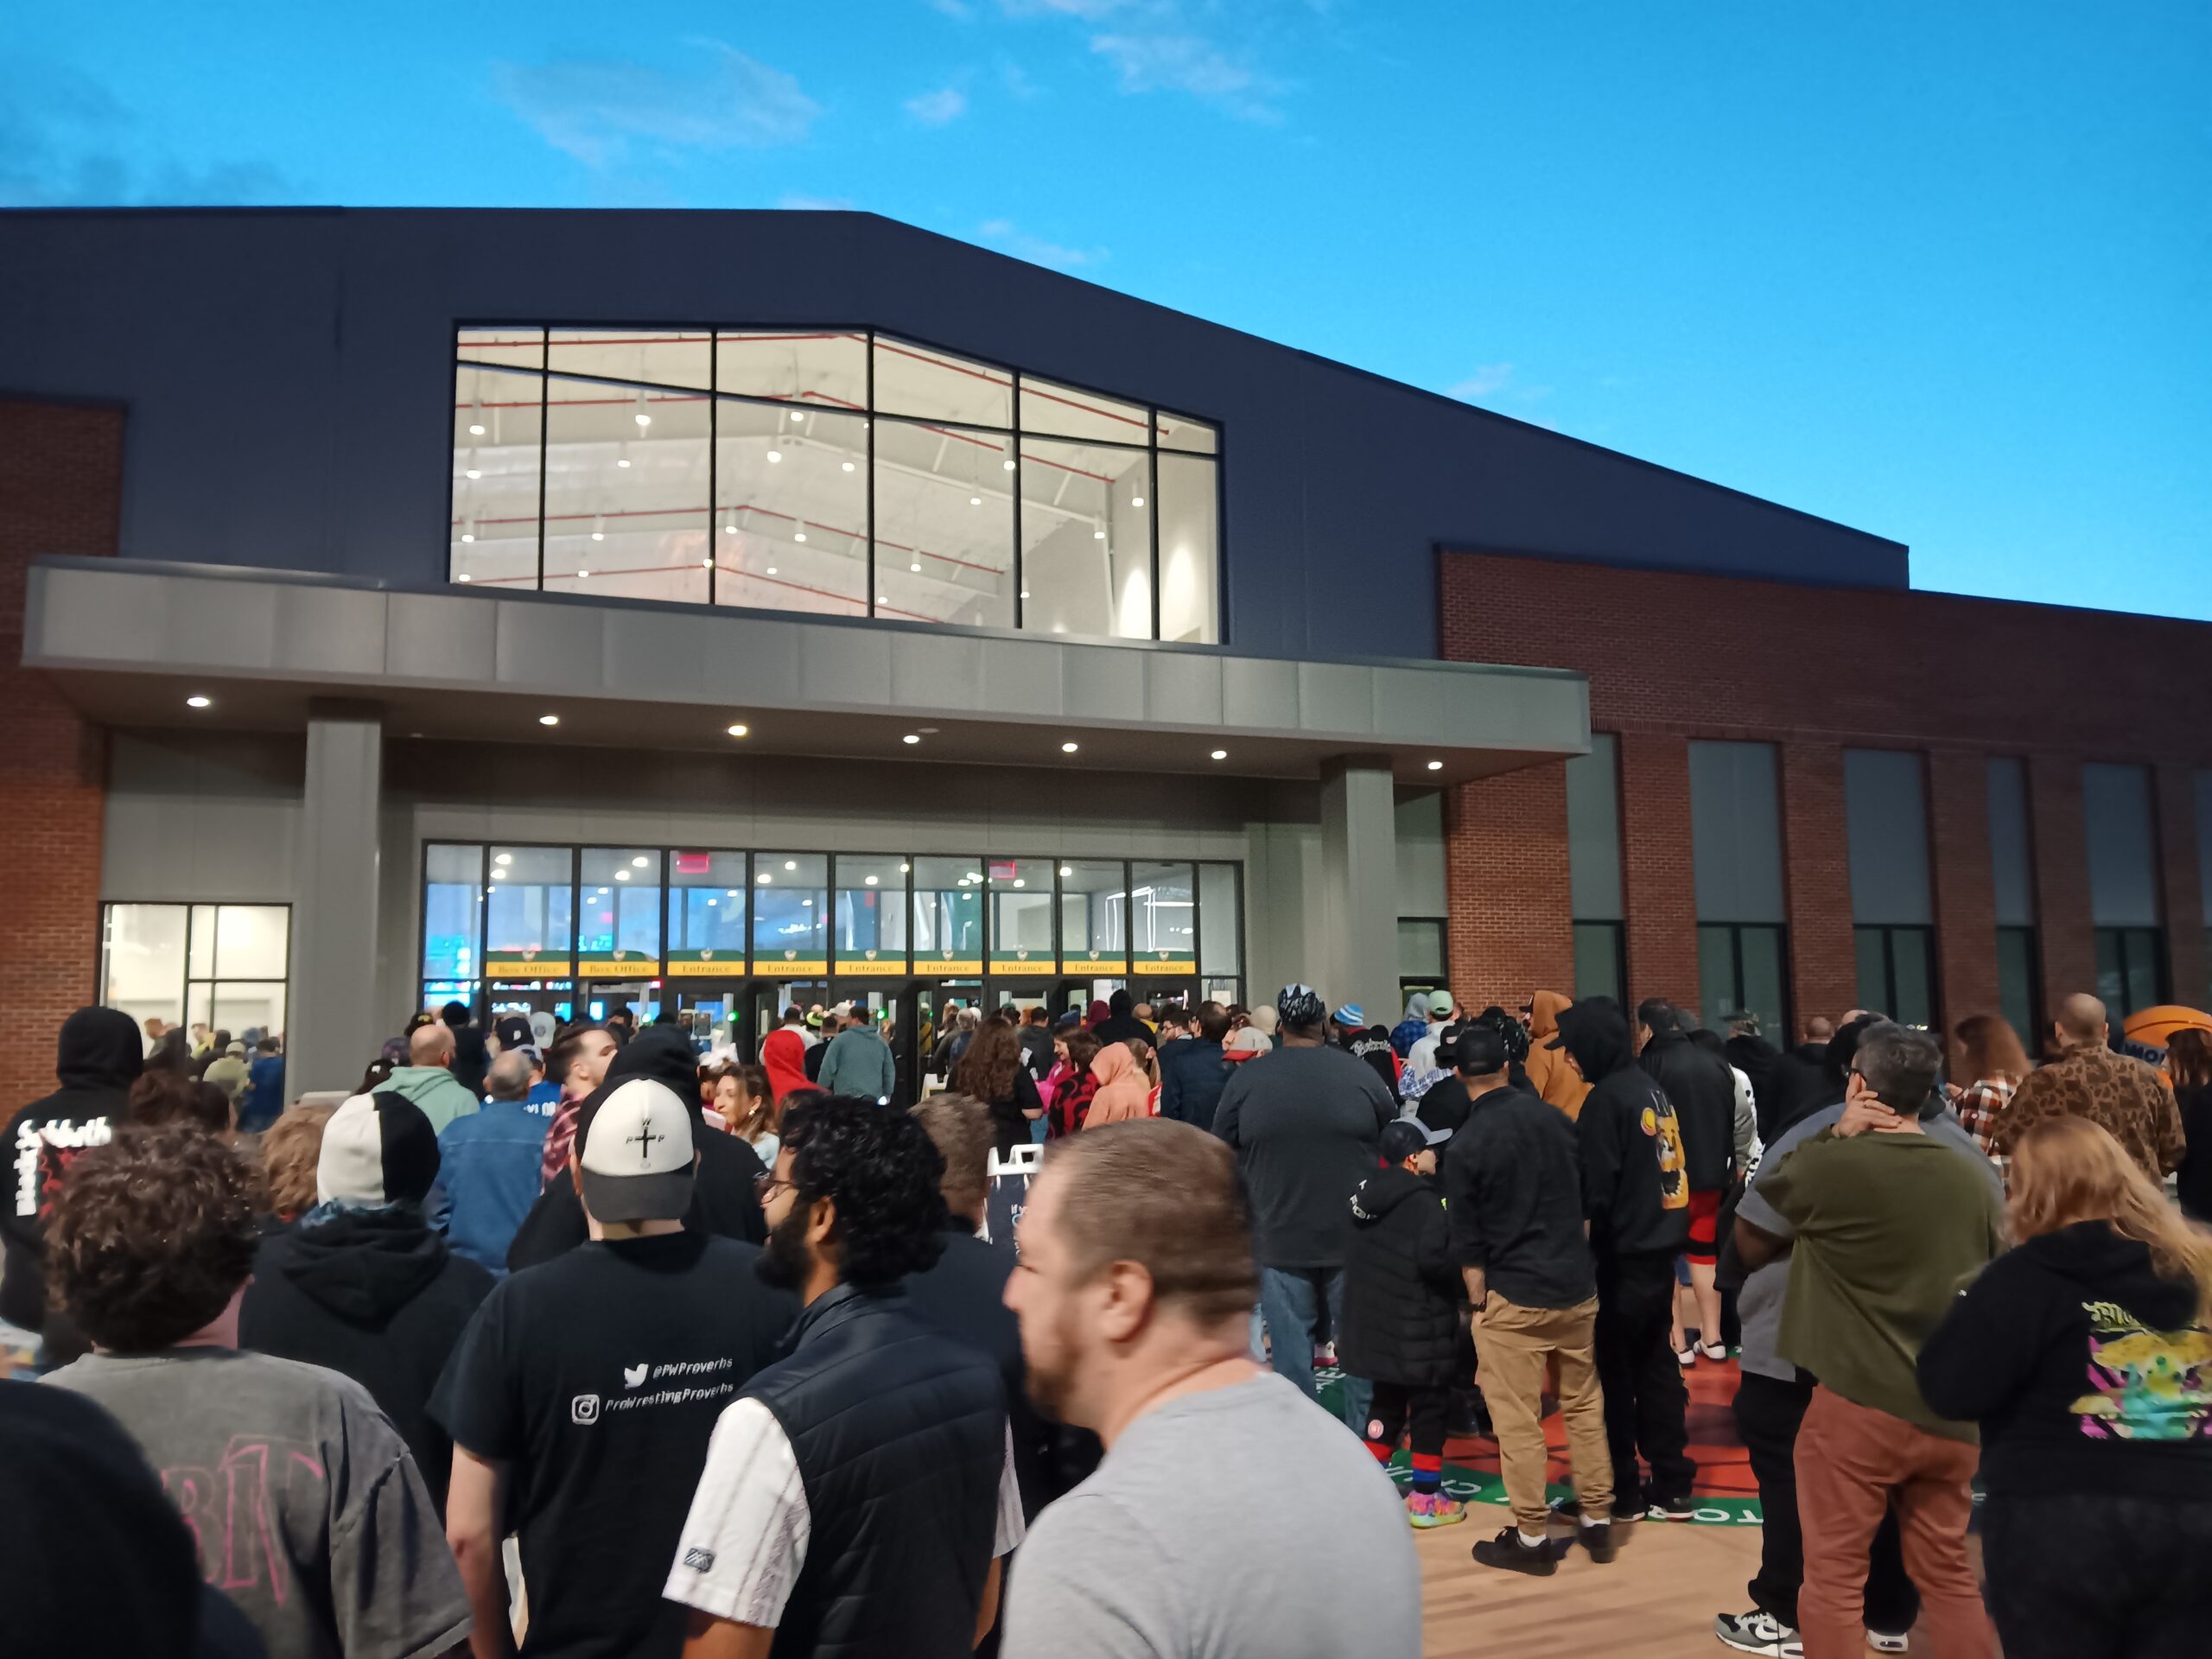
column 1635, row 1192
column 1401, row 1290
column 2086, row 1367
column 1703, row 1093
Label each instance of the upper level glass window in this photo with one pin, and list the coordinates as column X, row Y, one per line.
column 826, row 470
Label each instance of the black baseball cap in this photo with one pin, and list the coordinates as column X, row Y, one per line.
column 1477, row 1047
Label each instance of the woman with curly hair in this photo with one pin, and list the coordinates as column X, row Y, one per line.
column 991, row 1070
column 2084, row 1353
column 150, row 1248
column 289, row 1150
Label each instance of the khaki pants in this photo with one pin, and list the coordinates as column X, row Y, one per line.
column 1512, row 1346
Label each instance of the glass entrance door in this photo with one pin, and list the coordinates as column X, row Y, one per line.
column 717, row 1016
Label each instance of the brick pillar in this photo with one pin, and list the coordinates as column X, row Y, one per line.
column 1506, row 878
column 2059, row 841
column 1965, row 891
column 1816, row 881
column 61, row 492
column 1659, row 887
column 2180, row 885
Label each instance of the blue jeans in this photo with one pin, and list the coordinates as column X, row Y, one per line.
column 1290, row 1301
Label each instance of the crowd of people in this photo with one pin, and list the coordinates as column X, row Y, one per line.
column 572, row 1340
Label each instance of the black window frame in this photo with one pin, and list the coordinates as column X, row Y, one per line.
column 1890, row 932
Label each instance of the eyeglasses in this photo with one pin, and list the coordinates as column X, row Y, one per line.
column 766, row 1186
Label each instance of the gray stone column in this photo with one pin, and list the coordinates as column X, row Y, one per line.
column 1359, row 886
column 334, row 1026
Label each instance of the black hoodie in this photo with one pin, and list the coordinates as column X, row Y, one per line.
column 2086, row 1369
column 375, row 1295
column 98, row 1058
column 1121, row 1023
column 723, row 1201
column 1702, row 1091
column 1634, row 1191
column 1401, row 1289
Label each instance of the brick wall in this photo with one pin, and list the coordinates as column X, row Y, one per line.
column 1674, row 657
column 61, row 492
column 1505, row 849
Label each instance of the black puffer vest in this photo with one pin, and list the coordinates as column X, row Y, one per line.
column 1401, row 1292
column 900, row 1436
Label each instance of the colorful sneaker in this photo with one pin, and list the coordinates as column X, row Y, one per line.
column 1760, row 1632
column 1427, row 1510
column 1882, row 1643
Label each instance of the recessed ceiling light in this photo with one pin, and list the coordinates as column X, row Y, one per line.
column 732, row 894
column 849, row 466
column 639, row 862
column 739, row 731
column 798, row 536
column 775, row 454
column 1436, row 765
column 499, row 875
column 1025, row 592
column 974, row 500
column 883, row 598
column 903, row 868
column 917, row 565
column 1008, row 465
column 772, row 570
column 707, row 563
column 1136, row 500
column 1067, row 869
column 1221, row 754
column 625, row 462
column 763, row 879
column 467, row 535
column 912, row 737
column 463, row 576
column 621, row 875
column 809, row 903
column 797, row 415
column 504, row 858
column 549, row 720
column 198, row 703
column 729, row 529
column 870, row 881
column 583, row 575
column 602, row 893
column 1019, row 882
column 1067, row 749
column 790, row 863
column 476, row 473
column 1097, row 535
column 476, row 429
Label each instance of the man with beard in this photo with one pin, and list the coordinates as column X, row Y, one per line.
column 859, row 1495
column 1228, row 1516
column 582, row 1395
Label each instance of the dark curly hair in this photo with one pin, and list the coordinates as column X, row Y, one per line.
column 151, row 1236
column 172, row 1098
column 882, row 1171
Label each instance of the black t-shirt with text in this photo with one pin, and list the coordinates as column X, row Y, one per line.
column 597, row 1377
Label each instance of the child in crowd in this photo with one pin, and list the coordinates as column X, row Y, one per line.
column 1401, row 1314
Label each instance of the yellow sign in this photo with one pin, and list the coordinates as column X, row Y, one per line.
column 1111, row 965
column 948, row 967
column 1156, row 968
column 880, row 967
column 621, row 965
column 729, row 966
column 521, row 965
column 774, row 966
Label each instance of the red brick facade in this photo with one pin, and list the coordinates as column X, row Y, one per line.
column 1671, row 658
column 1513, row 853
column 61, row 492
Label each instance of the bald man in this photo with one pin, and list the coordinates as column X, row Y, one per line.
column 428, row 1081
column 2122, row 1095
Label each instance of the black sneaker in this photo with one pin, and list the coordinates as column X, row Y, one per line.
column 1599, row 1540
column 1570, row 1508
column 1506, row 1550
column 1672, row 1509
column 1760, row 1632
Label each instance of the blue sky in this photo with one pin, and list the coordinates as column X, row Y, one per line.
column 1943, row 272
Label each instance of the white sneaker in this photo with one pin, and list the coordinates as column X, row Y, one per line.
column 1758, row 1632
column 1686, row 1357
column 1712, row 1350
column 1881, row 1644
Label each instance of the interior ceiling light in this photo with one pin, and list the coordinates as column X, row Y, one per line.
column 917, row 565
column 499, row 875
column 1019, row 883
column 599, row 526
column 763, row 879
column 642, row 418
column 1067, row 869
column 1097, row 535
column 1008, row 463
column 623, row 461
column 621, row 875
column 903, row 868
column 1136, row 500
column 476, row 416
column 583, row 575
column 849, row 466
column 549, row 720
column 198, row 703
column 790, row 863
column 639, row 862
column 463, row 576
column 870, row 881
column 797, row 415
column 775, row 454
column 602, row 893
column 739, row 731
column 974, row 500
column 1067, row 749
column 732, row 894
column 504, row 858
column 709, row 562
column 475, row 472
column 771, row 569
column 912, row 737
column 1436, row 765
column 798, row 536
column 1221, row 754
column 1025, row 592
column 809, row 903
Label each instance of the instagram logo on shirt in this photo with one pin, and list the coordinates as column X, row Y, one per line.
column 584, row 1408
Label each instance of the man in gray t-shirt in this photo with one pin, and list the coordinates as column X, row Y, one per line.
column 1230, row 1517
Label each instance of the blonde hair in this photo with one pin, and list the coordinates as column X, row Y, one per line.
column 289, row 1149
column 2066, row 1170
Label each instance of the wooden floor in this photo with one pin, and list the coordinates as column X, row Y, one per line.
column 1656, row 1600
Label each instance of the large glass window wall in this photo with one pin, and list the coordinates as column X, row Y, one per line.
column 836, row 472
column 503, row 919
column 221, row 966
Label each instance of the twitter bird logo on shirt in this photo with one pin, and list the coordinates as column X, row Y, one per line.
column 634, row 1374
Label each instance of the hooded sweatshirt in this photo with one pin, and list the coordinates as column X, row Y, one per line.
column 1549, row 1074
column 1121, row 1022
column 1634, row 1193
column 1124, row 1088
column 1411, row 1029
column 784, row 1055
column 442, row 1095
column 2086, row 1367
column 1702, row 1090
column 98, row 1057
column 375, row 1295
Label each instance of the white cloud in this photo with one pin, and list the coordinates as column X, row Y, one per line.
column 1009, row 237
column 1192, row 64
column 598, row 111
column 1487, row 380
column 936, row 109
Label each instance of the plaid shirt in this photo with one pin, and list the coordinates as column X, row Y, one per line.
column 1978, row 1109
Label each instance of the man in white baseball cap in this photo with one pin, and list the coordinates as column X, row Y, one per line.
column 582, row 1398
